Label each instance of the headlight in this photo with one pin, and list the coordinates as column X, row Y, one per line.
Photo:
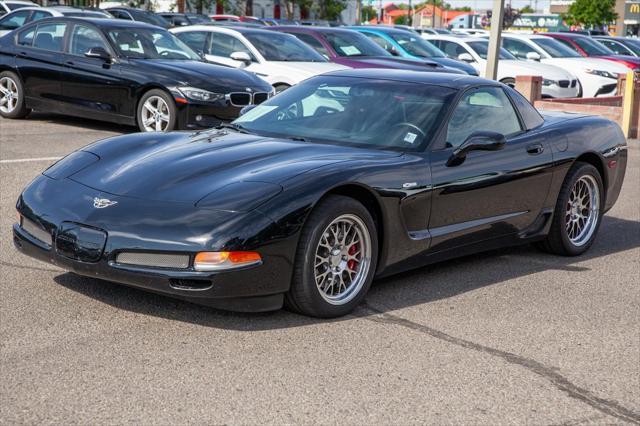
column 546, row 82
column 200, row 94
column 605, row 74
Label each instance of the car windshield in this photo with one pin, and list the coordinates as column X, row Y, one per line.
column 633, row 45
column 353, row 111
column 415, row 45
column 592, row 47
column 555, row 49
column 150, row 43
column 481, row 47
column 354, row 44
column 283, row 48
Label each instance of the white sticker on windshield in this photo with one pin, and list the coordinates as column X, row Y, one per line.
column 410, row 138
column 350, row 50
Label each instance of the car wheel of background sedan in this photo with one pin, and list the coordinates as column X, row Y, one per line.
column 281, row 87
column 578, row 212
column 12, row 103
column 156, row 112
column 336, row 259
column 511, row 82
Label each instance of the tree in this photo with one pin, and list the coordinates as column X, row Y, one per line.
column 591, row 13
column 527, row 9
column 368, row 13
column 330, row 9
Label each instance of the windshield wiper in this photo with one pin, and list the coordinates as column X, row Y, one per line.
column 232, row 126
column 298, row 138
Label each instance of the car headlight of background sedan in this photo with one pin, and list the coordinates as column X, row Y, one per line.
column 196, row 94
column 601, row 73
column 547, row 82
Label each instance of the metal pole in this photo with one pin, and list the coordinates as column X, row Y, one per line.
column 494, row 40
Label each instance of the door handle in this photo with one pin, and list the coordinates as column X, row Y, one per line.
column 71, row 63
column 535, row 149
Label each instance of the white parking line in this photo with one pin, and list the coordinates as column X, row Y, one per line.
column 27, row 160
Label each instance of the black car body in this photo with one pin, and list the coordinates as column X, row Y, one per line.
column 110, row 88
column 247, row 191
column 183, row 19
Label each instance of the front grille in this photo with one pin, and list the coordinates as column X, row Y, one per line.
column 158, row 260
column 240, row 99
column 260, row 97
column 563, row 83
column 36, row 231
column 574, row 83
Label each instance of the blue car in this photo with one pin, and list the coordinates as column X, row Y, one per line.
column 407, row 44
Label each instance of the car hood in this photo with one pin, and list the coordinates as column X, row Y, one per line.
column 403, row 63
column 454, row 63
column 185, row 167
column 517, row 67
column 623, row 58
column 200, row 74
column 304, row 69
column 581, row 64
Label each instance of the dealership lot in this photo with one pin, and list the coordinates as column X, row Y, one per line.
column 511, row 336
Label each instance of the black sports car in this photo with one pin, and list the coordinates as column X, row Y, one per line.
column 307, row 197
column 114, row 70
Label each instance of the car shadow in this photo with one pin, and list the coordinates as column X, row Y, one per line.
column 81, row 122
column 418, row 287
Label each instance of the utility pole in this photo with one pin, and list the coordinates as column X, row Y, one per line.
column 497, row 15
column 433, row 15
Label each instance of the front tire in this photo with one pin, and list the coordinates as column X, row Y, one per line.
column 336, row 259
column 12, row 103
column 578, row 212
column 157, row 112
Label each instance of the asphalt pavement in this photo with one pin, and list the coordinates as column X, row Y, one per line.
column 506, row 337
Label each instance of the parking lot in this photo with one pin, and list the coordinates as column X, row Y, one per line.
column 510, row 336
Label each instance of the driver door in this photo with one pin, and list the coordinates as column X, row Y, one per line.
column 490, row 194
column 92, row 86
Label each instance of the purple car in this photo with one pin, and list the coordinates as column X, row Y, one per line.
column 352, row 49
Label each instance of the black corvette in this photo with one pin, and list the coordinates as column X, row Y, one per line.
column 307, row 197
column 120, row 71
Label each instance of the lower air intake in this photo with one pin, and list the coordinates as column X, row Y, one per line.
column 156, row 260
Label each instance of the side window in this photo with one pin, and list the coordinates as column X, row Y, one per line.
column 50, row 37
column 14, row 21
column 84, row 38
column 451, row 49
column 380, row 41
column 37, row 15
column 615, row 46
column 483, row 109
column 517, row 48
column 314, row 43
column 194, row 39
column 224, row 45
column 25, row 38
column 568, row 44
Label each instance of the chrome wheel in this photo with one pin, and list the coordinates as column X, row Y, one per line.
column 8, row 95
column 155, row 114
column 583, row 210
column 342, row 259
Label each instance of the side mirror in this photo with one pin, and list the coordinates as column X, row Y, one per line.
column 98, row 53
column 246, row 109
column 477, row 141
column 393, row 51
column 533, row 56
column 242, row 57
column 466, row 57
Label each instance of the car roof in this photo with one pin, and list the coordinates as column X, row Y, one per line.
column 454, row 81
column 568, row 35
column 311, row 29
column 378, row 28
column 20, row 2
column 452, row 37
column 106, row 22
column 523, row 36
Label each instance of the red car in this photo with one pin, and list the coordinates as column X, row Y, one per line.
column 586, row 46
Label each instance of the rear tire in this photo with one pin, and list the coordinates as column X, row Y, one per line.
column 156, row 112
column 336, row 259
column 12, row 103
column 578, row 212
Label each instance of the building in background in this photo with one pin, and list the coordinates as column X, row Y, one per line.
column 627, row 24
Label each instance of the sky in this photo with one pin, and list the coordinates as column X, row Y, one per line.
column 481, row 4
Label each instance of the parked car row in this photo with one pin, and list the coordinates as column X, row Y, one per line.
column 131, row 70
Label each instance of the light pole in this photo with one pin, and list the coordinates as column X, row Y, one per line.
column 497, row 15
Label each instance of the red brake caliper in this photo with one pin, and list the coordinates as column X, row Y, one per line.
column 352, row 263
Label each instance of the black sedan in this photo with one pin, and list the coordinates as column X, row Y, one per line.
column 307, row 197
column 124, row 72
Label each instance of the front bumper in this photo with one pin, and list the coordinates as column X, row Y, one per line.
column 162, row 228
column 199, row 115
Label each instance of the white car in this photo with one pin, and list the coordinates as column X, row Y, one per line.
column 25, row 15
column 279, row 58
column 556, row 83
column 8, row 6
column 598, row 77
